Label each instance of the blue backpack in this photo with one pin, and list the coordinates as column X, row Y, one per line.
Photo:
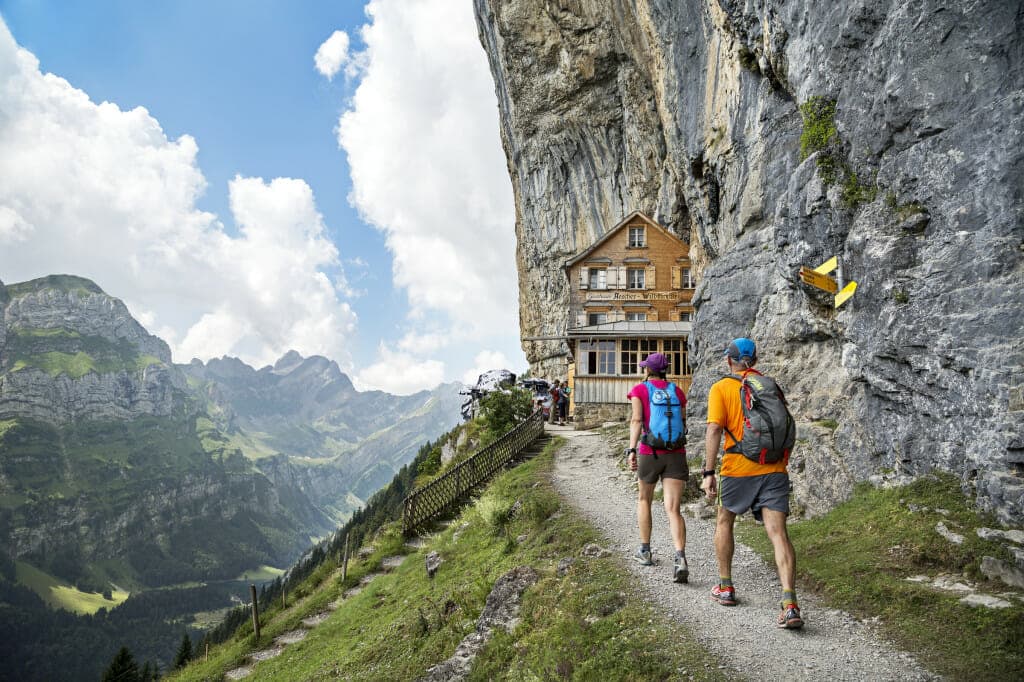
column 667, row 428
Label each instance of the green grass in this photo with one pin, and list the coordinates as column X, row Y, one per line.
column 586, row 625
column 60, row 595
column 860, row 554
column 60, row 351
column 262, row 574
column 66, row 283
column 820, row 134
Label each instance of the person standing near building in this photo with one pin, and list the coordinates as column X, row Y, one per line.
column 563, row 402
column 553, row 412
column 652, row 465
column 746, row 484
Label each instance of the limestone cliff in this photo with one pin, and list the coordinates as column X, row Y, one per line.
column 772, row 134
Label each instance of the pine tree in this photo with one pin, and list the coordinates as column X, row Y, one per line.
column 123, row 668
column 184, row 654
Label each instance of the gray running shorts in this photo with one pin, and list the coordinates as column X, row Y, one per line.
column 768, row 491
column 667, row 465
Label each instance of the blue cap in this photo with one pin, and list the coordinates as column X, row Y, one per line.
column 741, row 348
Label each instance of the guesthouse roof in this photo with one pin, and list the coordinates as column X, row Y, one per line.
column 608, row 235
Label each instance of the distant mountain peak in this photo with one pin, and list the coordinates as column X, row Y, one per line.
column 288, row 361
column 65, row 283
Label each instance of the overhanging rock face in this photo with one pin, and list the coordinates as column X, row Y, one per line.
column 906, row 163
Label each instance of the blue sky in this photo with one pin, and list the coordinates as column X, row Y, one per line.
column 361, row 211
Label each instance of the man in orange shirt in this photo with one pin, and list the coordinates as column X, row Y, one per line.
column 746, row 484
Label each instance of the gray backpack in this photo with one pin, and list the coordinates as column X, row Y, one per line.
column 769, row 430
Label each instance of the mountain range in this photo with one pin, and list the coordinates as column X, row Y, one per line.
column 122, row 470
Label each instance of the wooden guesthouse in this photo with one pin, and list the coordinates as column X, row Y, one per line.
column 630, row 295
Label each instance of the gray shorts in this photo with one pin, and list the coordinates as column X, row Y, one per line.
column 651, row 469
column 769, row 491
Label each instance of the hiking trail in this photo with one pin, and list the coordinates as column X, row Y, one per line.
column 833, row 645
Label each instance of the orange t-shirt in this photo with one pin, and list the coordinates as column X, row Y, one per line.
column 726, row 410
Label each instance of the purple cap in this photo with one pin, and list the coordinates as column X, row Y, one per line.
column 741, row 348
column 656, row 362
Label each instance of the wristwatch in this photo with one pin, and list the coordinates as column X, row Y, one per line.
column 707, row 472
column 630, row 451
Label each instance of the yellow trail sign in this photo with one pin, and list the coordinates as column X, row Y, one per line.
column 817, row 279
column 844, row 295
column 828, row 266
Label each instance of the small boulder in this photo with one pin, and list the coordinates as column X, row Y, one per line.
column 955, row 538
column 595, row 551
column 996, row 569
column 433, row 562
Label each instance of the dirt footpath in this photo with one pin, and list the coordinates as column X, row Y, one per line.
column 833, row 645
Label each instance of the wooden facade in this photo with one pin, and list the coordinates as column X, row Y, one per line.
column 631, row 295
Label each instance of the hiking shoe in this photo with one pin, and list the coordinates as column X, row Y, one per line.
column 680, row 571
column 789, row 619
column 643, row 557
column 726, row 596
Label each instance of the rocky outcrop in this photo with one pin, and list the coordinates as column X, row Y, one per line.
column 110, row 366
column 74, row 303
column 905, row 162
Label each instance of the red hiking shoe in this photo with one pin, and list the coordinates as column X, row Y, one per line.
column 726, row 596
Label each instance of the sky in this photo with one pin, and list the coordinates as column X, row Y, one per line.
column 254, row 177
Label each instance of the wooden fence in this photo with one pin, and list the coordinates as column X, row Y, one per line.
column 426, row 503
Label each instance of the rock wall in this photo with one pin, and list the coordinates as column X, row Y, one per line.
column 690, row 110
column 82, row 313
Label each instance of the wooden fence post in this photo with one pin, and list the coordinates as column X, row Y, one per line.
column 344, row 561
column 255, row 612
column 284, row 598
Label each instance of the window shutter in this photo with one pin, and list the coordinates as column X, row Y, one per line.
column 652, row 315
column 584, row 278
column 673, row 315
column 618, row 315
column 677, row 277
column 649, row 277
column 623, row 281
column 581, row 319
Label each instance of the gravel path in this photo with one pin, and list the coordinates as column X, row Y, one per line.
column 833, row 645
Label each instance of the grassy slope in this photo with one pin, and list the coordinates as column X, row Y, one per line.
column 586, row 625
column 860, row 555
column 58, row 351
column 60, row 595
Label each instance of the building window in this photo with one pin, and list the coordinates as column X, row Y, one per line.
column 635, row 278
column 597, row 357
column 687, row 279
column 636, row 317
column 597, row 318
column 598, row 278
column 685, row 316
column 637, row 237
column 678, row 359
column 633, row 351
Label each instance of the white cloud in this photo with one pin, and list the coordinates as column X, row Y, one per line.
column 423, row 342
column 332, row 55
column 485, row 360
column 400, row 373
column 13, row 227
column 92, row 190
column 427, row 167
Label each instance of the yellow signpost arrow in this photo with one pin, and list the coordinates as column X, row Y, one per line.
column 828, row 266
column 844, row 295
column 818, row 278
